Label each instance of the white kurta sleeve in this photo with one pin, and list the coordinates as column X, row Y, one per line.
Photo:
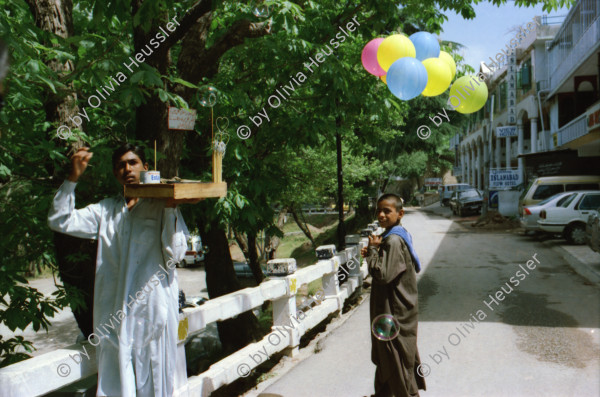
column 64, row 218
column 174, row 235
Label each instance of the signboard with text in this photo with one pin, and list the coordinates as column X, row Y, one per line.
column 504, row 179
column 181, row 119
column 433, row 181
column 511, row 87
column 506, row 131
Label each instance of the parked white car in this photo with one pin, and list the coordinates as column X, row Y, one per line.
column 194, row 253
column 571, row 217
column 530, row 214
column 593, row 232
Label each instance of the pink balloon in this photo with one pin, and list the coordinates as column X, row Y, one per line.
column 369, row 58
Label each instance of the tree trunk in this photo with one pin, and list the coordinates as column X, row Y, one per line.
column 341, row 229
column 242, row 243
column 248, row 246
column 56, row 17
column 253, row 259
column 80, row 273
column 274, row 240
column 302, row 226
column 237, row 332
column 363, row 213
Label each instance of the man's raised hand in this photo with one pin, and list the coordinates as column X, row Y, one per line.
column 79, row 162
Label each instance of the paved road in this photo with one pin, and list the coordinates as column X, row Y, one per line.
column 541, row 339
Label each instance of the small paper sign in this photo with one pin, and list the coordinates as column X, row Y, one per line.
column 181, row 119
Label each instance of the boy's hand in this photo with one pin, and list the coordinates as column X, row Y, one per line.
column 79, row 162
column 364, row 251
column 375, row 241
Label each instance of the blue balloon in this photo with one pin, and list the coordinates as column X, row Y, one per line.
column 406, row 78
column 426, row 45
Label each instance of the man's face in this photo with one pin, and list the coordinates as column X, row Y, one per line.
column 387, row 215
column 128, row 167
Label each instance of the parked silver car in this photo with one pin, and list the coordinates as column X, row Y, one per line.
column 531, row 213
column 592, row 231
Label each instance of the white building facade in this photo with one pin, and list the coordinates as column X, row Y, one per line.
column 548, row 92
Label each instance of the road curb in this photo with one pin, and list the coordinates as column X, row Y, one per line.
column 579, row 267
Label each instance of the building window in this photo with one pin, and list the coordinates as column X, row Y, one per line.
column 524, row 76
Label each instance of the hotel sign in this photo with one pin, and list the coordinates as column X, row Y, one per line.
column 504, row 179
column 506, row 131
column 511, row 88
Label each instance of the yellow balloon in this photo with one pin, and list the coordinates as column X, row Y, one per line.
column 393, row 48
column 468, row 94
column 444, row 56
column 383, row 78
column 438, row 76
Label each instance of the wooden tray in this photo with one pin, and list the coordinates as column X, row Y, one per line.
column 182, row 190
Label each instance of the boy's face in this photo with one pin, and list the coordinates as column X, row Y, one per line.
column 387, row 215
column 128, row 167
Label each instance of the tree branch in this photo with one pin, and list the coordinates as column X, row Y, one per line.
column 191, row 18
column 196, row 62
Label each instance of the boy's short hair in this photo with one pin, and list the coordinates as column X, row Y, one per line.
column 128, row 147
column 393, row 197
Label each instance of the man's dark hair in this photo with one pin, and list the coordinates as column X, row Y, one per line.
column 392, row 197
column 128, row 147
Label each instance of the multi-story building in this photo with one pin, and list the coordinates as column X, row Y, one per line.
column 547, row 90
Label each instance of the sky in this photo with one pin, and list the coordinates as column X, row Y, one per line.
column 490, row 30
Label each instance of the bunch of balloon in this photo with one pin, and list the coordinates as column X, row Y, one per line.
column 412, row 66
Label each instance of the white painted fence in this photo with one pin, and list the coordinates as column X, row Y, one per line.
column 61, row 367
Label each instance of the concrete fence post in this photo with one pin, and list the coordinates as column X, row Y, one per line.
column 284, row 308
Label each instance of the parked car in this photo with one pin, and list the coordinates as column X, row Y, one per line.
column 465, row 201
column 447, row 190
column 571, row 217
column 592, row 231
column 531, row 213
column 194, row 254
column 544, row 187
column 190, row 258
column 242, row 270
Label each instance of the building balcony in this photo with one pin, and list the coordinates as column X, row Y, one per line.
column 575, row 42
column 576, row 128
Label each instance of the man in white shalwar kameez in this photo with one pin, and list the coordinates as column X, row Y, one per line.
column 136, row 289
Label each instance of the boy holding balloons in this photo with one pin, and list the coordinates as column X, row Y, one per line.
column 393, row 264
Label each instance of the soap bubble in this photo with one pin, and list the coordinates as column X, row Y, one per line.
column 261, row 11
column 207, row 96
column 385, row 327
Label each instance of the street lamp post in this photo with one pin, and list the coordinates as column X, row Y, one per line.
column 486, row 165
